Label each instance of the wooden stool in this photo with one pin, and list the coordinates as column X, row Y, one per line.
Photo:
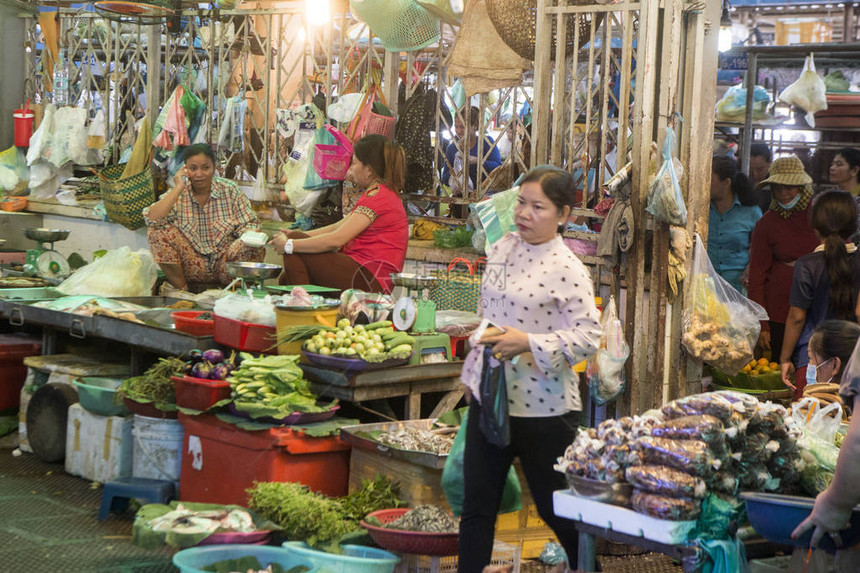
column 117, row 493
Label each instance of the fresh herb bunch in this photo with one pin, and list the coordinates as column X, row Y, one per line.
column 155, row 384
column 375, row 494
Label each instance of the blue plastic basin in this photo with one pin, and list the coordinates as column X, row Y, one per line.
column 354, row 559
column 775, row 516
column 192, row 560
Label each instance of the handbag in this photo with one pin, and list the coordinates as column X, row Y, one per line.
column 332, row 161
column 368, row 122
column 456, row 289
column 494, row 420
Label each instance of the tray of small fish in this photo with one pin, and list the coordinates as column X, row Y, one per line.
column 421, row 442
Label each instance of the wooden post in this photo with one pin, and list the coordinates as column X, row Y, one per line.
column 542, row 84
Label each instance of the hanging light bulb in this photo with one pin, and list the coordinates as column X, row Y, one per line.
column 724, row 41
column 318, row 12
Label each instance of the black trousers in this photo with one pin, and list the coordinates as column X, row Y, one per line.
column 537, row 442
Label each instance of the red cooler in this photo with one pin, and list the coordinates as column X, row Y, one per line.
column 14, row 348
column 221, row 461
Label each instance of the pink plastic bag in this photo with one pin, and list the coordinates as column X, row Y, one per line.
column 174, row 124
column 332, row 161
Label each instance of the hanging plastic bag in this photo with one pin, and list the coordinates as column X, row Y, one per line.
column 224, row 132
column 121, row 272
column 40, row 141
column 605, row 369
column 14, row 174
column 313, row 181
column 295, row 172
column 68, row 139
column 97, row 132
column 345, row 108
column 665, row 201
column 496, row 214
column 173, row 124
column 494, row 421
column 232, row 130
column 452, row 478
column 808, row 92
column 721, row 326
column 732, row 106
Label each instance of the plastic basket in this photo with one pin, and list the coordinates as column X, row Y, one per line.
column 353, row 559
column 400, row 541
column 245, row 336
column 125, row 199
column 401, row 25
column 13, row 204
column 332, row 161
column 199, row 393
column 187, row 321
column 194, row 559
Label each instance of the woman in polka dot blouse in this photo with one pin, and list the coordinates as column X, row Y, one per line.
column 542, row 295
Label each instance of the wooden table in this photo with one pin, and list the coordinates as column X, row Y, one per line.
column 408, row 382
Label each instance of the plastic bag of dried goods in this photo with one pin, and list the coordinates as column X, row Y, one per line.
column 705, row 428
column 665, row 201
column 666, row 481
column 691, row 456
column 662, row 507
column 699, row 404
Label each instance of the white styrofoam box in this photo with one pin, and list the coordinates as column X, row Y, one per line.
column 98, row 448
column 620, row 519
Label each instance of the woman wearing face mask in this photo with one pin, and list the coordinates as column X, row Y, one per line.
column 845, row 171
column 830, row 347
column 781, row 236
column 826, row 283
column 545, row 304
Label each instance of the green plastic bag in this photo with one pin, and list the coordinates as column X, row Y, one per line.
column 496, row 214
column 314, row 182
column 452, row 478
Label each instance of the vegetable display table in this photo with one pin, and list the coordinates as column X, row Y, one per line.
column 408, row 382
column 622, row 525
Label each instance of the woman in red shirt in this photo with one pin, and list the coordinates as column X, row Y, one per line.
column 361, row 250
column 781, row 236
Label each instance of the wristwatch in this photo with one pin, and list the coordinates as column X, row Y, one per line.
column 288, row 247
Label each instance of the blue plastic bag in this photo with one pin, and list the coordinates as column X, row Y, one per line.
column 665, row 201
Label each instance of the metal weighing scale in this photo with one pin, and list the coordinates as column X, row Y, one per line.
column 45, row 261
column 417, row 314
column 253, row 275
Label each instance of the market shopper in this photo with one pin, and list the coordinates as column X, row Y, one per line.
column 831, row 348
column 781, row 236
column 361, row 250
column 825, row 285
column 733, row 216
column 492, row 159
column 845, row 170
column 194, row 228
column 760, row 159
column 544, row 300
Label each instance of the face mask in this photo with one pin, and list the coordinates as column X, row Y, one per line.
column 812, row 373
column 789, row 205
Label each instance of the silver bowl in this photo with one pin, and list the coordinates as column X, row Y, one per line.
column 46, row 235
column 412, row 280
column 257, row 271
column 611, row 493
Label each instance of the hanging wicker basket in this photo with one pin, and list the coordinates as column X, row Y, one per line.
column 516, row 23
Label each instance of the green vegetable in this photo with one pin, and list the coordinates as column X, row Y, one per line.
column 398, row 339
column 154, row 385
column 379, row 324
column 300, row 332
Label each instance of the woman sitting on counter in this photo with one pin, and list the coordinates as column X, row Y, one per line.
column 361, row 250
column 194, row 228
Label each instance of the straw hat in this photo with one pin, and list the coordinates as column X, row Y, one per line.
column 787, row 171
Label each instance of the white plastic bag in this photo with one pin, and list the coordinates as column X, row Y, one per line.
column 345, row 108
column 247, row 308
column 605, row 369
column 808, row 92
column 455, row 181
column 40, row 141
column 295, row 171
column 121, row 272
column 665, row 201
column 69, row 137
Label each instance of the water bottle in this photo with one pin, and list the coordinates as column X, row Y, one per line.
column 61, row 82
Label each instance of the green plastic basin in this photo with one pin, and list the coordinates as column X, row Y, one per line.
column 96, row 395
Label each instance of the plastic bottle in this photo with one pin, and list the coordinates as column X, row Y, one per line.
column 61, row 82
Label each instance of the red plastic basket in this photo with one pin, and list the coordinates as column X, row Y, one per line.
column 187, row 321
column 147, row 409
column 199, row 393
column 419, row 542
column 245, row 335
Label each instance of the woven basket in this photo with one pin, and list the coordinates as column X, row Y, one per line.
column 125, row 199
column 401, row 25
column 516, row 23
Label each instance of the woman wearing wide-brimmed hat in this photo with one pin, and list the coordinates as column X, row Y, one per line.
column 782, row 235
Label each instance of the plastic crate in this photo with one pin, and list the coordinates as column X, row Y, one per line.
column 13, row 349
column 503, row 554
column 187, row 321
column 276, row 454
column 199, row 393
column 245, row 336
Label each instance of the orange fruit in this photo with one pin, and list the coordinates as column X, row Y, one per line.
column 762, row 362
column 746, row 368
column 774, row 366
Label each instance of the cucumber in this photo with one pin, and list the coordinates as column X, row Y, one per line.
column 398, row 339
column 378, row 324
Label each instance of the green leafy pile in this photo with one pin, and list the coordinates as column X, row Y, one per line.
column 272, row 386
column 315, row 518
column 154, row 385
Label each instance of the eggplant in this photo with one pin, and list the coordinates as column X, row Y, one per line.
column 214, row 356
column 195, row 355
column 219, row 372
column 186, row 368
column 201, row 370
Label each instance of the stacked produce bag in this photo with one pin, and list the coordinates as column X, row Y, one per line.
column 718, row 443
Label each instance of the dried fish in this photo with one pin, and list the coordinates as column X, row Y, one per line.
column 427, row 518
column 408, row 438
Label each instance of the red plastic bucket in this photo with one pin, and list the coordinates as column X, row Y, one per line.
column 23, row 126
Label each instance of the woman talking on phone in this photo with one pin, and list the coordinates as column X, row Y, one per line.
column 543, row 304
column 194, row 228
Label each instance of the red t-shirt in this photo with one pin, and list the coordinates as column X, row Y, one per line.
column 381, row 248
column 775, row 246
